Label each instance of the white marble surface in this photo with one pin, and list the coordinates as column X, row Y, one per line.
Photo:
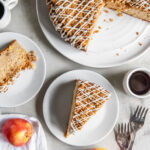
column 24, row 20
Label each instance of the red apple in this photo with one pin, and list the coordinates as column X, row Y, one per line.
column 17, row 131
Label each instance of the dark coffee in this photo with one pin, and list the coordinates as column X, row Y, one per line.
column 139, row 82
column 1, row 10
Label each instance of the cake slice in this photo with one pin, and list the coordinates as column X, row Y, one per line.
column 75, row 19
column 87, row 100
column 136, row 8
column 13, row 59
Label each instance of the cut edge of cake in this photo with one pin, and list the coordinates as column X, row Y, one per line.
column 8, row 77
column 72, row 109
column 136, row 8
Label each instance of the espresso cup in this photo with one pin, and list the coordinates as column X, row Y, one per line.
column 126, row 85
column 5, row 12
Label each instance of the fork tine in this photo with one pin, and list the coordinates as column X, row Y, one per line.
column 142, row 112
column 122, row 128
column 125, row 128
column 135, row 113
column 119, row 128
column 128, row 127
column 145, row 114
column 139, row 112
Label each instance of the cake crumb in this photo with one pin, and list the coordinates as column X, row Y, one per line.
column 111, row 19
column 140, row 44
column 104, row 20
column 99, row 27
column 118, row 10
column 96, row 31
column 106, row 11
column 117, row 54
column 119, row 14
column 137, row 33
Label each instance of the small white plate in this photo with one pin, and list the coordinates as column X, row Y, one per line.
column 38, row 140
column 30, row 81
column 117, row 42
column 57, row 106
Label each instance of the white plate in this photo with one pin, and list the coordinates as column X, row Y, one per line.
column 57, row 105
column 116, row 38
column 30, row 81
column 38, row 140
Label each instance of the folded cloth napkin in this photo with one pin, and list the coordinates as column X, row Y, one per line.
column 37, row 142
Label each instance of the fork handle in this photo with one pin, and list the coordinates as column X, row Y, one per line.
column 131, row 145
column 132, row 141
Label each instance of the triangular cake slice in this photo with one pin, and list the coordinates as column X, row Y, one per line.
column 75, row 19
column 87, row 100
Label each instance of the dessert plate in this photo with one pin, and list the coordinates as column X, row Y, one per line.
column 57, row 106
column 116, row 43
column 38, row 140
column 30, row 81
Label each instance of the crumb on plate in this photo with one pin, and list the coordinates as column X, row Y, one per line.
column 140, row 44
column 96, row 31
column 111, row 19
column 119, row 14
column 106, row 11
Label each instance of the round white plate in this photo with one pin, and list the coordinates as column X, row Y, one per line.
column 116, row 43
column 30, row 81
column 57, row 106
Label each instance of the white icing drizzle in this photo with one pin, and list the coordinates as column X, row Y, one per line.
column 79, row 27
column 145, row 4
column 84, row 95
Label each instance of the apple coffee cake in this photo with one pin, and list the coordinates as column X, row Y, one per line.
column 136, row 8
column 88, row 98
column 14, row 59
column 75, row 19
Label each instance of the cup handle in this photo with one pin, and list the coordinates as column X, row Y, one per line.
column 11, row 3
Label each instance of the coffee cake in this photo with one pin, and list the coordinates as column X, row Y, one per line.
column 87, row 100
column 14, row 59
column 75, row 19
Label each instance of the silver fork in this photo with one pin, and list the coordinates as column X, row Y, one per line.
column 137, row 121
column 122, row 135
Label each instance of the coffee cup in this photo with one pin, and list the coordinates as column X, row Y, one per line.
column 137, row 83
column 5, row 12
